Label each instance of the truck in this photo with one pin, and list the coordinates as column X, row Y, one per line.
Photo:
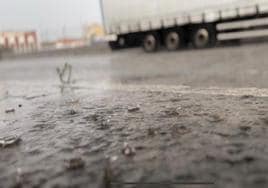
column 176, row 24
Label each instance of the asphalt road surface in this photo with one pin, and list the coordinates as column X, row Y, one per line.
column 198, row 118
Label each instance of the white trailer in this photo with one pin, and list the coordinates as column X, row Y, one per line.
column 176, row 24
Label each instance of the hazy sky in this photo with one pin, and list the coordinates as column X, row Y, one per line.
column 52, row 18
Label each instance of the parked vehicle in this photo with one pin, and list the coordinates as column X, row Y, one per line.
column 177, row 24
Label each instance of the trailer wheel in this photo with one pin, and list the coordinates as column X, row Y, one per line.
column 204, row 36
column 173, row 40
column 119, row 43
column 150, row 42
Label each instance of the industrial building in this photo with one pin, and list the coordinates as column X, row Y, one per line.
column 19, row 42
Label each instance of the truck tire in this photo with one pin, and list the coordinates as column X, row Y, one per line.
column 203, row 36
column 150, row 42
column 172, row 40
column 118, row 44
column 113, row 45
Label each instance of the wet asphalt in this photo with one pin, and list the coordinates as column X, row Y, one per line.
column 197, row 116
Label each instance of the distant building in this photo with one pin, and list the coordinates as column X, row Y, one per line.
column 64, row 43
column 69, row 43
column 19, row 42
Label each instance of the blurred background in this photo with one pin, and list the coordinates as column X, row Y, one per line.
column 50, row 24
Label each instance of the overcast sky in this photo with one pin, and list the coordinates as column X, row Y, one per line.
column 52, row 18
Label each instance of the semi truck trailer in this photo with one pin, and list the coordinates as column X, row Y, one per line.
column 176, row 24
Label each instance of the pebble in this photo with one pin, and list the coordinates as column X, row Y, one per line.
column 74, row 163
column 113, row 158
column 128, row 150
column 214, row 118
column 9, row 141
column 72, row 112
column 245, row 128
column 247, row 96
column 265, row 120
column 10, row 111
column 152, row 132
column 133, row 109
